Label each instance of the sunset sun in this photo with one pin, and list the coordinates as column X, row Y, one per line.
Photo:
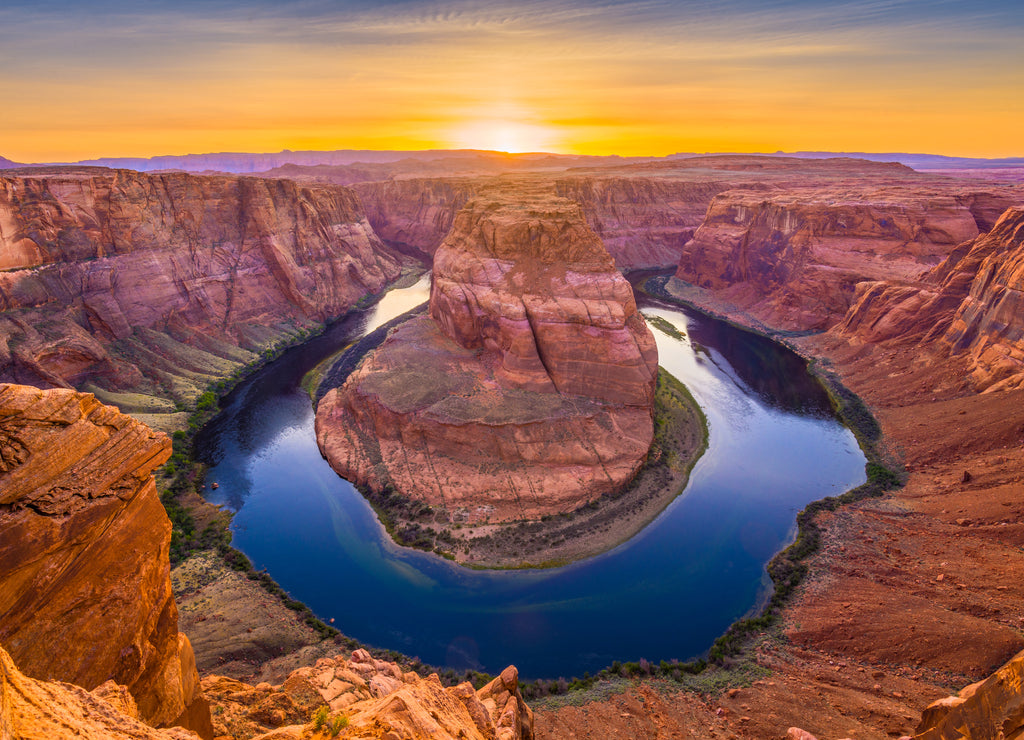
column 505, row 135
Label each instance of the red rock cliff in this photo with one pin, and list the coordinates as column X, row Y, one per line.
column 85, row 590
column 416, row 214
column 528, row 391
column 793, row 258
column 99, row 260
column 972, row 304
column 643, row 221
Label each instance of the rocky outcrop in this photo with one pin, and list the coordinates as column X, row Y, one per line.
column 160, row 283
column 643, row 221
column 529, row 389
column 989, row 323
column 416, row 214
column 85, row 590
column 971, row 304
column 993, row 708
column 371, row 699
column 42, row 710
column 793, row 258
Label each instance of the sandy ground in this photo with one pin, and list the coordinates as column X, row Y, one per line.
column 239, row 630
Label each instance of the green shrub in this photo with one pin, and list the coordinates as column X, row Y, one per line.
column 319, row 718
column 337, row 724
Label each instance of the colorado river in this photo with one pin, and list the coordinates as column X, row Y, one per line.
column 666, row 593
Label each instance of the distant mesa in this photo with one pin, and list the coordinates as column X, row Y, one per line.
column 529, row 388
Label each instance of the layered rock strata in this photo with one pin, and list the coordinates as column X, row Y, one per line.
column 644, row 222
column 993, row 708
column 158, row 284
column 376, row 699
column 416, row 214
column 527, row 391
column 42, row 710
column 85, row 590
column 794, row 257
column 972, row 305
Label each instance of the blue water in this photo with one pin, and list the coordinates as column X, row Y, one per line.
column 667, row 593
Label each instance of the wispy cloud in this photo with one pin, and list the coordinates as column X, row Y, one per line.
column 406, row 66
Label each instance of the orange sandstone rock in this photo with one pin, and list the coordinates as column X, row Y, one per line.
column 43, row 710
column 85, row 591
column 972, row 304
column 529, row 389
column 992, row 708
column 378, row 700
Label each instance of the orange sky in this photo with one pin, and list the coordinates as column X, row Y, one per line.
column 94, row 79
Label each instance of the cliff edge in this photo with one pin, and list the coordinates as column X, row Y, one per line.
column 85, row 590
column 145, row 288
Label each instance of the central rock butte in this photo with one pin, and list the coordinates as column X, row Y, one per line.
column 529, row 388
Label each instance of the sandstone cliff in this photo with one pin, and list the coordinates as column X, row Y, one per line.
column 45, row 710
column 373, row 699
column 158, row 284
column 993, row 708
column 793, row 258
column 529, row 389
column 972, row 304
column 416, row 214
column 643, row 221
column 989, row 323
column 85, row 591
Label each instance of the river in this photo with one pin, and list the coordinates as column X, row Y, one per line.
column 666, row 593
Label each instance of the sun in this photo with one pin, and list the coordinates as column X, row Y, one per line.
column 513, row 137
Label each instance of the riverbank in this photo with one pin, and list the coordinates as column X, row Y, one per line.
column 724, row 649
column 681, row 437
column 243, row 623
column 905, row 598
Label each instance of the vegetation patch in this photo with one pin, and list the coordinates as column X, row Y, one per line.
column 665, row 326
column 680, row 438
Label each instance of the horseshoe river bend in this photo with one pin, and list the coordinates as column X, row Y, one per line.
column 774, row 446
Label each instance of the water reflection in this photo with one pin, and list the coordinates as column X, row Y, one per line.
column 666, row 593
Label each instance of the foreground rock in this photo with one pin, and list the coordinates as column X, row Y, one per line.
column 149, row 287
column 529, row 389
column 993, row 708
column 85, row 591
column 43, row 710
column 371, row 699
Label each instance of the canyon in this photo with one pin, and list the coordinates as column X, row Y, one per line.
column 904, row 285
column 145, row 289
column 527, row 391
column 84, row 566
